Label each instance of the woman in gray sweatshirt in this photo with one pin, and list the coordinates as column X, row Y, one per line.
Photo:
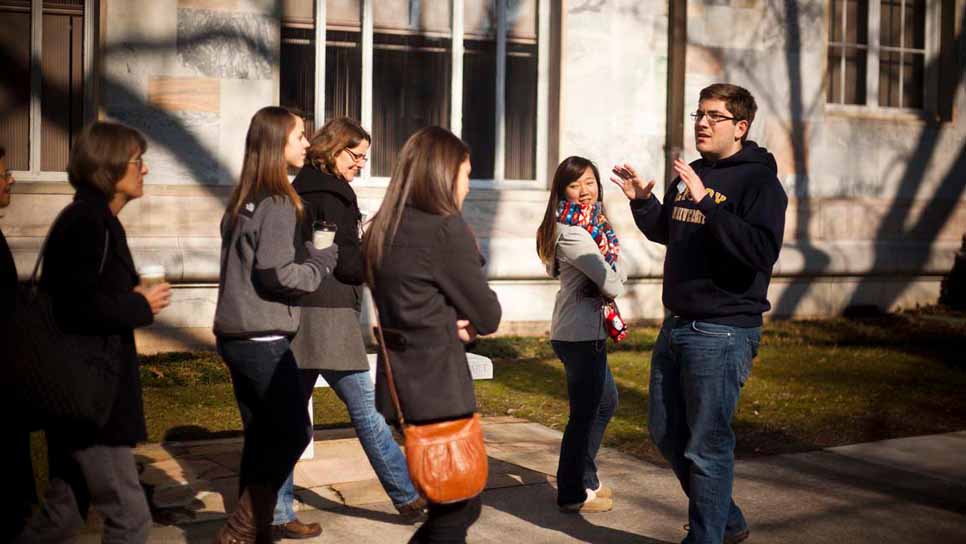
column 257, row 315
column 579, row 247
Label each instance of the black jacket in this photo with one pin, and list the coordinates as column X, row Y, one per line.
column 328, row 198
column 85, row 302
column 720, row 252
column 8, row 297
column 431, row 275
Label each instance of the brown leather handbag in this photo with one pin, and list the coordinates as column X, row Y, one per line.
column 447, row 460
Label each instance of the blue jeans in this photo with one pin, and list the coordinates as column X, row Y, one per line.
column 593, row 401
column 356, row 390
column 268, row 390
column 697, row 371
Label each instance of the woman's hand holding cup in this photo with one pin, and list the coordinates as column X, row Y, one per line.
column 158, row 296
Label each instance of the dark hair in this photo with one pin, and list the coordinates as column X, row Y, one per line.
column 567, row 172
column 331, row 139
column 737, row 99
column 264, row 170
column 100, row 156
column 424, row 177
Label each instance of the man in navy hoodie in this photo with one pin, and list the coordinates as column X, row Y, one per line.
column 722, row 221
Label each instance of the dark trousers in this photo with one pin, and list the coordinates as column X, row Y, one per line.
column 448, row 523
column 269, row 392
column 593, row 401
column 20, row 493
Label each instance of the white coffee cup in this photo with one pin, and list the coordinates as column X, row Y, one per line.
column 151, row 275
column 323, row 234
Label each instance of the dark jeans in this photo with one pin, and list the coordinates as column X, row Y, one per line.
column 593, row 401
column 268, row 389
column 697, row 371
column 448, row 523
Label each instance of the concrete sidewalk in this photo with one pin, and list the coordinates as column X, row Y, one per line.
column 904, row 490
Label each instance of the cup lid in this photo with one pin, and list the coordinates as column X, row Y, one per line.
column 151, row 270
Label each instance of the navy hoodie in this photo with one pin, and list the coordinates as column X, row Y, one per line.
column 720, row 252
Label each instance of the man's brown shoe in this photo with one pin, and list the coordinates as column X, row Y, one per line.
column 295, row 529
column 413, row 511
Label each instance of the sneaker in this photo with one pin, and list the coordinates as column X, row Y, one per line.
column 592, row 505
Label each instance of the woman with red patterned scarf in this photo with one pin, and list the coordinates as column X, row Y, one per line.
column 578, row 246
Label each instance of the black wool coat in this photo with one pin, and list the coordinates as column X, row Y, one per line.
column 87, row 302
column 431, row 275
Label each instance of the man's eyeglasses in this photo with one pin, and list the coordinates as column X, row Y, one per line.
column 357, row 157
column 6, row 176
column 713, row 117
column 138, row 161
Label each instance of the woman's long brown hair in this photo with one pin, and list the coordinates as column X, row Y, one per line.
column 568, row 172
column 425, row 178
column 264, row 169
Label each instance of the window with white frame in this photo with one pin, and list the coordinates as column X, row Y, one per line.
column 878, row 51
column 42, row 93
column 473, row 66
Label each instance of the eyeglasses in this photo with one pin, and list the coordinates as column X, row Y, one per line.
column 713, row 117
column 138, row 161
column 357, row 157
column 6, row 176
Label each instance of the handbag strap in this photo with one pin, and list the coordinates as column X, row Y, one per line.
column 385, row 357
column 43, row 248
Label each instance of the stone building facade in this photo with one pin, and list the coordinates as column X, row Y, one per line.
column 864, row 117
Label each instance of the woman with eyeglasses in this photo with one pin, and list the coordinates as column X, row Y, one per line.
column 329, row 340
column 89, row 274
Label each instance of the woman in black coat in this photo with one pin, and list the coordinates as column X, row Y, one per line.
column 329, row 340
column 426, row 274
column 90, row 276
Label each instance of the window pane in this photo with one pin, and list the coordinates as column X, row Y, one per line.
column 343, row 75
column 857, row 21
column 835, row 20
column 855, row 66
column 343, row 15
column 427, row 17
column 833, row 80
column 62, row 91
column 912, row 80
column 521, row 111
column 410, row 87
column 479, row 104
column 297, row 73
column 298, row 12
column 915, row 24
column 889, row 79
column 521, row 89
column 15, row 84
column 890, row 21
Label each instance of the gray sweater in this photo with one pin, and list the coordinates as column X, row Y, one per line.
column 259, row 277
column 577, row 315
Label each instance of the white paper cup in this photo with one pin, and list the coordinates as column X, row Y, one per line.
column 151, row 275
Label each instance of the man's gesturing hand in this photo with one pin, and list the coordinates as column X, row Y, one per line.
column 633, row 186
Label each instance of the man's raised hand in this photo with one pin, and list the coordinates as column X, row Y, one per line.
column 630, row 183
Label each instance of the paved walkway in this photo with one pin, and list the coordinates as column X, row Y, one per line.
column 907, row 490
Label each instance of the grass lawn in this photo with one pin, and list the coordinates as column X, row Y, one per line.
column 814, row 384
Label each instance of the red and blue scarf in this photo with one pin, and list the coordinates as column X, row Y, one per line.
column 591, row 218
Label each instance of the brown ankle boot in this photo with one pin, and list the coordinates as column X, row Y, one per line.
column 240, row 526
